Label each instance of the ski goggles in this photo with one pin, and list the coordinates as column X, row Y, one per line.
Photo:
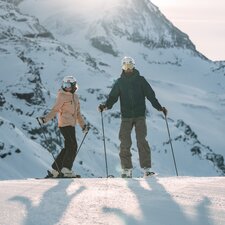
column 127, row 66
column 68, row 84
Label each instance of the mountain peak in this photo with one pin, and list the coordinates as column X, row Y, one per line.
column 105, row 22
column 138, row 21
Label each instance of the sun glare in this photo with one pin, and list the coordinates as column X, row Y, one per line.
column 93, row 3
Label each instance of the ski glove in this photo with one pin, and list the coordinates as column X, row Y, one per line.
column 85, row 128
column 102, row 107
column 164, row 110
column 41, row 120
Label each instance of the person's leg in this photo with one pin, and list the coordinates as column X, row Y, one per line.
column 58, row 163
column 142, row 144
column 125, row 143
column 70, row 147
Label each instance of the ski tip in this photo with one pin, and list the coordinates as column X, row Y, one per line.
column 151, row 174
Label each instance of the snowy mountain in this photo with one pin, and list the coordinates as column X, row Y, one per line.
column 42, row 41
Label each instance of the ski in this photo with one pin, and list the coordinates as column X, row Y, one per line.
column 60, row 176
column 77, row 176
column 149, row 174
column 39, row 178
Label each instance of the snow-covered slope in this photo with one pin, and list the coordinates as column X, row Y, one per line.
column 89, row 40
column 156, row 201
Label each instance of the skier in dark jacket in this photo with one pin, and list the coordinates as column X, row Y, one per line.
column 132, row 89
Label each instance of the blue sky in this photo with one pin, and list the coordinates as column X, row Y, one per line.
column 202, row 20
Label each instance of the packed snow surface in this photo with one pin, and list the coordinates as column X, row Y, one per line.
column 152, row 201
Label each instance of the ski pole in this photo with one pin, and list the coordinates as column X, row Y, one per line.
column 46, row 142
column 106, row 164
column 170, row 140
column 82, row 141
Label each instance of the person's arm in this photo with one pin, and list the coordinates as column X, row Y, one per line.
column 113, row 96
column 79, row 117
column 150, row 95
column 58, row 104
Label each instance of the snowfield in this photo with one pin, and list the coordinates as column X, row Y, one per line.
column 152, row 201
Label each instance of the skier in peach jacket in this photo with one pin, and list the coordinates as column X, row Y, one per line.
column 67, row 108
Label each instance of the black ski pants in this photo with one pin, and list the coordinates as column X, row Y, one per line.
column 67, row 155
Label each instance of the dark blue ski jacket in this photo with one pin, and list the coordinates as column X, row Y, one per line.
column 132, row 89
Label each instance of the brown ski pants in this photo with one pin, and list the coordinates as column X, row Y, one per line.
column 126, row 127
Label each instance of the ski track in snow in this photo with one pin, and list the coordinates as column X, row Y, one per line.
column 154, row 201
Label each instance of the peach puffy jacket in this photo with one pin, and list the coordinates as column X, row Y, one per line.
column 67, row 106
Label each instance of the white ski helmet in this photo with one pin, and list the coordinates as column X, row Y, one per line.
column 69, row 82
column 127, row 63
